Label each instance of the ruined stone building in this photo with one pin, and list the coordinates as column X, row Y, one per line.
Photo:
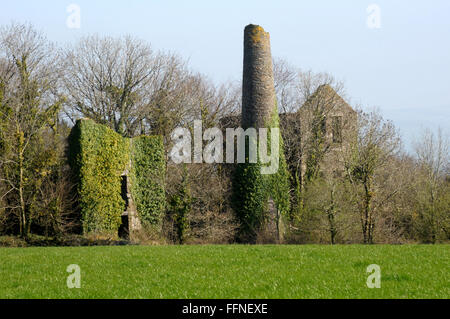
column 121, row 181
column 324, row 124
column 317, row 136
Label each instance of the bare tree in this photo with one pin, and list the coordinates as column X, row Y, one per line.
column 375, row 144
column 432, row 188
column 28, row 107
column 123, row 83
column 286, row 80
column 111, row 80
column 294, row 86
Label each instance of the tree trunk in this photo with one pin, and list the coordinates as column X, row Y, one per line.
column 23, row 216
column 367, row 229
column 332, row 227
column 331, row 219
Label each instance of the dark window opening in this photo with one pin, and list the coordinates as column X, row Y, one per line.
column 337, row 129
column 124, row 226
column 124, row 192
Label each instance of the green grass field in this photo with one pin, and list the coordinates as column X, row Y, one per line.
column 226, row 272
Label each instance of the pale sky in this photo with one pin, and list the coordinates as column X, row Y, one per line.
column 402, row 68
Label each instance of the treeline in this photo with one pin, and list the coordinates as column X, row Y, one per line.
column 379, row 193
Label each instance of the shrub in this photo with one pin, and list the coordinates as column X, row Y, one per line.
column 180, row 207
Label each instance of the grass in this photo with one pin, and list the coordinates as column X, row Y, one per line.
column 411, row 271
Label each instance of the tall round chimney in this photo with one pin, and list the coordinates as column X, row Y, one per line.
column 258, row 92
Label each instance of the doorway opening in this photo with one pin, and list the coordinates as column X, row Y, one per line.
column 124, row 229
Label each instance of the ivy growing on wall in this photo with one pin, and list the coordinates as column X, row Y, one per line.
column 248, row 199
column 147, row 178
column 277, row 185
column 98, row 157
column 252, row 190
